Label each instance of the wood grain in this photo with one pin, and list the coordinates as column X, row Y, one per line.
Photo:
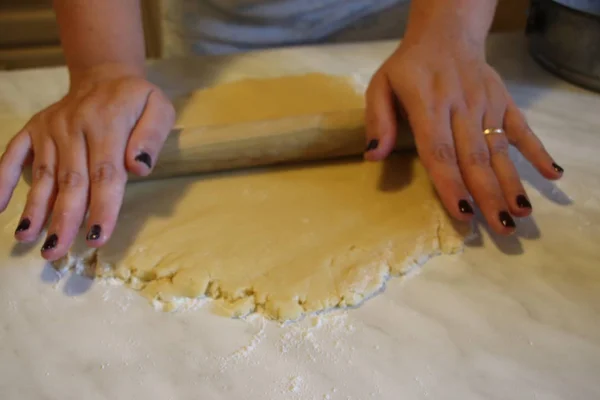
column 252, row 144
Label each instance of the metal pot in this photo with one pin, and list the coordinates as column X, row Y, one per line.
column 564, row 37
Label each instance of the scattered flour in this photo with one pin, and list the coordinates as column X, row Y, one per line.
column 243, row 353
column 295, row 384
column 321, row 338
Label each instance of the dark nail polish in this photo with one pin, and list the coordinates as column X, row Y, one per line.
column 23, row 225
column 465, row 207
column 50, row 243
column 523, row 202
column 94, row 233
column 557, row 168
column 144, row 158
column 506, row 219
column 373, row 143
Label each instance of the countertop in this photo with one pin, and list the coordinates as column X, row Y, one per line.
column 510, row 318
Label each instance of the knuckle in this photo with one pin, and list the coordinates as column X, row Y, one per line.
column 104, row 172
column 478, row 158
column 70, row 180
column 43, row 171
column 443, row 153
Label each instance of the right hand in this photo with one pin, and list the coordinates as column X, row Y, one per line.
column 110, row 122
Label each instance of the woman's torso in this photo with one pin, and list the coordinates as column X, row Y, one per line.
column 226, row 26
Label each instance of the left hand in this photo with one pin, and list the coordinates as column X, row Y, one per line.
column 450, row 95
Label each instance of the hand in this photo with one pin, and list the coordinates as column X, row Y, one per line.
column 450, row 96
column 82, row 147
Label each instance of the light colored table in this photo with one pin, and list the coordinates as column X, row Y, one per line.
column 511, row 318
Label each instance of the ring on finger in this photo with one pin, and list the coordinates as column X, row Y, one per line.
column 494, row 131
column 497, row 140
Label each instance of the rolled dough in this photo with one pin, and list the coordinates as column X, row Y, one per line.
column 263, row 99
column 279, row 241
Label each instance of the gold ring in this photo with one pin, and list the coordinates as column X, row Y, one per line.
column 491, row 131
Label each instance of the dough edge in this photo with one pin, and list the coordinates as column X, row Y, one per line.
column 446, row 238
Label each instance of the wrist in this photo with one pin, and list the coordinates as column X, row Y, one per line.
column 103, row 72
column 451, row 23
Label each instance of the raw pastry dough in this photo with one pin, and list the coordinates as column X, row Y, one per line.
column 280, row 241
column 263, row 99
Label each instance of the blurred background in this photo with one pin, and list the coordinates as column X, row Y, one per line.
column 29, row 35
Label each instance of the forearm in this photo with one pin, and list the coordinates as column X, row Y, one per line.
column 465, row 20
column 101, row 33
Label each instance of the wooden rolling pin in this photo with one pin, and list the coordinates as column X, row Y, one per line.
column 191, row 150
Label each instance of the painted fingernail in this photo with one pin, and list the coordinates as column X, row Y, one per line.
column 373, row 143
column 23, row 225
column 144, row 158
column 465, row 207
column 94, row 233
column 523, row 202
column 506, row 219
column 557, row 168
column 50, row 242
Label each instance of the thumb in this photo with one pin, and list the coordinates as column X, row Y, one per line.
column 12, row 161
column 381, row 118
column 149, row 134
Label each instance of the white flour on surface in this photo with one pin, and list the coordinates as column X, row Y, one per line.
column 316, row 340
column 243, row 353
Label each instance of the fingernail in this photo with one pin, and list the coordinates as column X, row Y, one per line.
column 557, row 168
column 50, row 243
column 94, row 233
column 373, row 143
column 523, row 202
column 145, row 158
column 465, row 207
column 23, row 225
column 506, row 219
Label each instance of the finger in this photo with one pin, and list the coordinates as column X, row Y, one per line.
column 507, row 175
column 475, row 165
column 381, row 119
column 108, row 178
column 521, row 136
column 72, row 193
column 497, row 143
column 12, row 163
column 149, row 134
column 435, row 146
column 42, row 193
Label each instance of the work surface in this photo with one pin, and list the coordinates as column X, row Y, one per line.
column 510, row 318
